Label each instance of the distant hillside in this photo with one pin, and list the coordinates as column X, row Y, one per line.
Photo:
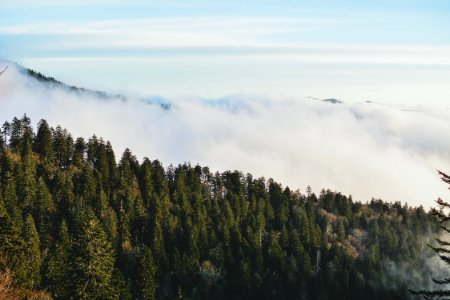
column 329, row 100
column 332, row 100
column 151, row 100
column 56, row 83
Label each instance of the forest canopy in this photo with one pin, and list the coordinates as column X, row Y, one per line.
column 77, row 223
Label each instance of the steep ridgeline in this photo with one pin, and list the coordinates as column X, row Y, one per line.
column 78, row 225
column 52, row 82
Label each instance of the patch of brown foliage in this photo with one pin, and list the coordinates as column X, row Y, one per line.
column 7, row 290
column 38, row 295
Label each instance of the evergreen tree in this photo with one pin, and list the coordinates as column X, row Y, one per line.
column 43, row 141
column 11, row 241
column 145, row 271
column 44, row 212
column 58, row 267
column 32, row 255
column 92, row 261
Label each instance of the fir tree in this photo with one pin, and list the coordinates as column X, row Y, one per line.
column 92, row 261
column 146, row 285
column 11, row 241
column 32, row 255
column 43, row 141
column 58, row 267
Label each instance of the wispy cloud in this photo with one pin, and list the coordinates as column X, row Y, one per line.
column 313, row 54
column 232, row 37
column 258, row 25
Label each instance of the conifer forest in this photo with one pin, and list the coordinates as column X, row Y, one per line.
column 79, row 221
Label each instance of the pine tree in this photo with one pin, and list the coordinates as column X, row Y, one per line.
column 16, row 131
column 92, row 263
column 57, row 269
column 43, row 141
column 32, row 255
column 11, row 241
column 79, row 152
column 44, row 212
column 86, row 185
column 63, row 147
column 11, row 202
column 145, row 182
column 26, row 175
column 145, row 272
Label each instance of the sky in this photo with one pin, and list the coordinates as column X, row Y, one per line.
column 394, row 51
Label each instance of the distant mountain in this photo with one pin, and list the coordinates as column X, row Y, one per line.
column 102, row 95
column 158, row 100
column 332, row 100
column 56, row 83
column 329, row 100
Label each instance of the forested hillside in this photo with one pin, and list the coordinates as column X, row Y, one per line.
column 79, row 224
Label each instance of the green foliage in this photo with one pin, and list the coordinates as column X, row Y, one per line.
column 93, row 228
column 11, row 241
column 43, row 141
column 92, row 260
column 44, row 211
column 31, row 276
column 145, row 269
column 57, row 270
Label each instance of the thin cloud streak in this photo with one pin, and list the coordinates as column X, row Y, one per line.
column 320, row 56
column 222, row 37
column 252, row 25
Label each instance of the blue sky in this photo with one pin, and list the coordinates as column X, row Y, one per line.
column 388, row 51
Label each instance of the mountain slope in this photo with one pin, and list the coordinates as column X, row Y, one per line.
column 95, row 228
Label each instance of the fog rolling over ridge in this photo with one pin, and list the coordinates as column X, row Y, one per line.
column 366, row 149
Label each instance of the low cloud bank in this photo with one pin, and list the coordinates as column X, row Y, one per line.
column 367, row 149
